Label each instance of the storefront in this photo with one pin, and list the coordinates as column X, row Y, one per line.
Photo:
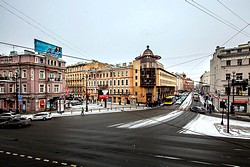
column 240, row 105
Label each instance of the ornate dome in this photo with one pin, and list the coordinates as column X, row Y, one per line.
column 148, row 54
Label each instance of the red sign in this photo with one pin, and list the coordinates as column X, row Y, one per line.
column 104, row 96
column 240, row 101
column 67, row 91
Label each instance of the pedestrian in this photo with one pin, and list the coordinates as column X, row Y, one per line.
column 82, row 111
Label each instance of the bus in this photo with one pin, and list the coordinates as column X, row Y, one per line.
column 169, row 100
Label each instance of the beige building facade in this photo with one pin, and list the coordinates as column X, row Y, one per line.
column 231, row 65
column 141, row 81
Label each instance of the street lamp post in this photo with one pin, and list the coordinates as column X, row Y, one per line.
column 233, row 81
column 228, row 108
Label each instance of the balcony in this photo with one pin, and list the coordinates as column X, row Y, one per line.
column 54, row 79
column 4, row 78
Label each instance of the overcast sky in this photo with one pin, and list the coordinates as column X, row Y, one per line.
column 116, row 31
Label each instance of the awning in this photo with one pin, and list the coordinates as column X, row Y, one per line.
column 240, row 101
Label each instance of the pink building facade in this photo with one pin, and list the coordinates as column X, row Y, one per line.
column 31, row 82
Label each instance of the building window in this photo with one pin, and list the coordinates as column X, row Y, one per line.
column 41, row 60
column 122, row 82
column 110, row 82
column 56, row 88
column 4, row 73
column 239, row 76
column 10, row 74
column 228, row 63
column 135, row 83
column 11, row 88
column 42, row 75
column 24, row 88
column 1, row 89
column 118, row 73
column 122, row 73
column 227, row 76
column 135, row 70
column 122, row 91
column 114, row 74
column 60, row 76
column 24, row 74
column 107, row 75
column 114, row 91
column 239, row 62
column 126, row 73
column 51, row 75
column 239, row 50
column 41, row 89
column 118, row 83
column 126, row 91
column 227, row 90
column 126, row 82
column 136, row 77
column 114, row 82
column 248, row 75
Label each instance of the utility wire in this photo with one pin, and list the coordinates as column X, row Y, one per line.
column 38, row 28
column 224, row 22
column 232, row 12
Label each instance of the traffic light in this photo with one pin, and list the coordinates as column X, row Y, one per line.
column 245, row 85
column 223, row 104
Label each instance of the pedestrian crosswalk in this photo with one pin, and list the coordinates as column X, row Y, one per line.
column 149, row 122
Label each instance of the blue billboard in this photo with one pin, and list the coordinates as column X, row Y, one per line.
column 45, row 47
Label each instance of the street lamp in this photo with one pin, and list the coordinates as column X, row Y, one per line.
column 17, row 92
column 233, row 82
column 86, row 92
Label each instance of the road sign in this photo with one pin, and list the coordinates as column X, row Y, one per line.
column 20, row 98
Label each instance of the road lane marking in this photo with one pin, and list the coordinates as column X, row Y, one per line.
column 149, row 122
column 167, row 157
column 15, row 154
column 46, row 160
column 8, row 153
column 1, row 151
column 201, row 162
column 54, row 162
column 38, row 159
column 22, row 156
column 63, row 163
column 29, row 157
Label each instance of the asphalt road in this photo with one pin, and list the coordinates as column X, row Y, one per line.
column 97, row 141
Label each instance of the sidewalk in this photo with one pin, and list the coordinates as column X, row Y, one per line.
column 98, row 109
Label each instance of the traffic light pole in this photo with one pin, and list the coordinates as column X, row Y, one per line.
column 228, row 107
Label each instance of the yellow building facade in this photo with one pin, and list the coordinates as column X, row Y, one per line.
column 141, row 81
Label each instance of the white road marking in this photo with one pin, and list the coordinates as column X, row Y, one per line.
column 15, row 154
column 63, row 163
column 54, row 162
column 46, row 160
column 38, row 159
column 22, row 156
column 167, row 157
column 200, row 162
column 231, row 165
column 8, row 153
column 30, row 157
column 1, row 151
column 149, row 122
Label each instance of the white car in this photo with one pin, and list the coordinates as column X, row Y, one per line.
column 41, row 116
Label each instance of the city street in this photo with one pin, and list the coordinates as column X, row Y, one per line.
column 113, row 140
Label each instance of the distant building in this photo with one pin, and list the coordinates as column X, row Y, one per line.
column 31, row 82
column 228, row 64
column 143, row 80
column 204, row 84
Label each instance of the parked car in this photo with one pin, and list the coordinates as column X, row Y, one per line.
column 15, row 123
column 41, row 116
column 198, row 109
column 8, row 116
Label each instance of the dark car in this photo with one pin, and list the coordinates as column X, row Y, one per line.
column 15, row 123
column 198, row 109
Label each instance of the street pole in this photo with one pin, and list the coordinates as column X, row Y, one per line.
column 16, row 93
column 87, row 92
column 222, row 116
column 233, row 81
column 228, row 108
